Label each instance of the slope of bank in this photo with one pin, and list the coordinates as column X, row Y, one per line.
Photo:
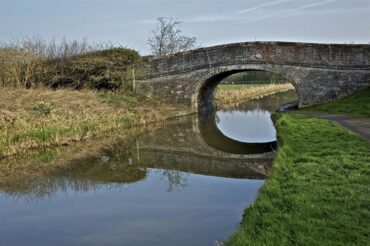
column 317, row 191
column 357, row 104
column 33, row 118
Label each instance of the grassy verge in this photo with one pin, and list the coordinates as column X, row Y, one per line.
column 33, row 118
column 235, row 93
column 357, row 104
column 317, row 192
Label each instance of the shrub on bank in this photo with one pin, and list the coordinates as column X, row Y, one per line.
column 34, row 62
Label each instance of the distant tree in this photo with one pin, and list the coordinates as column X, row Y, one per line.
column 167, row 38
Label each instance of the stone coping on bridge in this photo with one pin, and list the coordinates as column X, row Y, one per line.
column 214, row 47
column 314, row 55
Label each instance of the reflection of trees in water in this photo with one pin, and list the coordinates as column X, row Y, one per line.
column 175, row 180
column 45, row 187
column 78, row 177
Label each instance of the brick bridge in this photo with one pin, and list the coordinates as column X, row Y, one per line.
column 319, row 72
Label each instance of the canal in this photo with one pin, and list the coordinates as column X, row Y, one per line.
column 183, row 183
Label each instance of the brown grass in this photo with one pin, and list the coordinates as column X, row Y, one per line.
column 33, row 61
column 226, row 94
column 33, row 118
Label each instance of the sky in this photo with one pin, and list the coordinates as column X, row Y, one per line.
column 212, row 22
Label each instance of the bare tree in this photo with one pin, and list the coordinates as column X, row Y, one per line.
column 167, row 38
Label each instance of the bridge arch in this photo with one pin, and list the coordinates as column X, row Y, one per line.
column 203, row 98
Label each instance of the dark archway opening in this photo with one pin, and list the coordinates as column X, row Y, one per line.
column 240, row 79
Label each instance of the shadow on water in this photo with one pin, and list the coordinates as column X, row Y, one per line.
column 186, row 183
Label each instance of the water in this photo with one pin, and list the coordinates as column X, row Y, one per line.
column 186, row 183
column 252, row 118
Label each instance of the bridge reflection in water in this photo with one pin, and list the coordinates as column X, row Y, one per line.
column 178, row 148
column 196, row 144
column 185, row 183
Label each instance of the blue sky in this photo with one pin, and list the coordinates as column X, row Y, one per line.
column 212, row 21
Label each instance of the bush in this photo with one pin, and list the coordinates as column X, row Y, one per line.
column 101, row 70
column 69, row 64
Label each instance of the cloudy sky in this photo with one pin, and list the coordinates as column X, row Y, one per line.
column 212, row 21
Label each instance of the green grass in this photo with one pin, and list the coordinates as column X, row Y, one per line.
column 118, row 100
column 357, row 104
column 317, row 192
column 42, row 108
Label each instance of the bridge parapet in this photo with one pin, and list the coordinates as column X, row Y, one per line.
column 327, row 56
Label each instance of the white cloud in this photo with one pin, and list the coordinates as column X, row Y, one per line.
column 261, row 12
column 317, row 4
column 261, row 6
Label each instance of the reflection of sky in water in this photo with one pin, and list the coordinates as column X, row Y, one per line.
column 139, row 191
column 251, row 126
column 199, row 210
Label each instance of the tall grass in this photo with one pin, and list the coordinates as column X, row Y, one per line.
column 226, row 93
column 34, row 61
column 41, row 117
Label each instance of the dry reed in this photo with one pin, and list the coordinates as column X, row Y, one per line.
column 232, row 94
column 70, row 116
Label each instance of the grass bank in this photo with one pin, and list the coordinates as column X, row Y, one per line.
column 227, row 93
column 41, row 117
column 357, row 104
column 53, row 94
column 317, row 192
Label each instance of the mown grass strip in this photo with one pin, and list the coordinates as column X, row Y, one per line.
column 317, row 192
column 357, row 104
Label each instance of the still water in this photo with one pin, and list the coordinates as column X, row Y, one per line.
column 185, row 183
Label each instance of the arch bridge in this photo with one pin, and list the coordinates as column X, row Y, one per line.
column 319, row 72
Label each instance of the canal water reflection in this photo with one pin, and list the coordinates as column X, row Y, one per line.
column 186, row 183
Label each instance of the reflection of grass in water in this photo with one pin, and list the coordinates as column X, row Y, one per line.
column 356, row 104
column 82, row 166
column 81, row 174
column 317, row 191
column 42, row 172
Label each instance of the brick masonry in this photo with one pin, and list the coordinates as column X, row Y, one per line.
column 319, row 72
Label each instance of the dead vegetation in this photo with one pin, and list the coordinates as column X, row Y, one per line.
column 40, row 117
column 227, row 93
column 33, row 62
